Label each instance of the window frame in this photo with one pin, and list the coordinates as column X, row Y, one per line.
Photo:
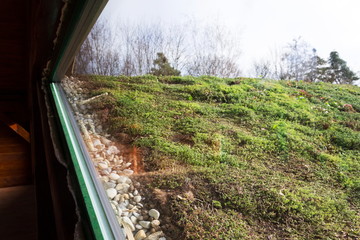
column 76, row 22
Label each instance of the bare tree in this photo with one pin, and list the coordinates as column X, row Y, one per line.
column 98, row 54
column 132, row 48
column 262, row 68
column 215, row 52
column 297, row 60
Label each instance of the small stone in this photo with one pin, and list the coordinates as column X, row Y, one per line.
column 154, row 213
column 145, row 224
column 117, row 197
column 126, row 196
column 127, row 172
column 133, row 219
column 109, row 185
column 140, row 235
column 111, row 192
column 131, row 195
column 103, row 165
column 123, row 179
column 162, row 238
column 112, row 150
column 114, row 176
column 122, row 187
column 105, row 141
column 138, row 226
column 127, row 221
column 136, row 192
column 155, row 236
column 137, row 199
column 105, row 178
column 99, row 159
column 155, row 223
column 96, row 142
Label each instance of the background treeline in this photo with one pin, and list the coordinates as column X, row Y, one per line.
column 196, row 49
column 299, row 61
column 130, row 49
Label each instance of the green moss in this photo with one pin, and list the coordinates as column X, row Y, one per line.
column 262, row 158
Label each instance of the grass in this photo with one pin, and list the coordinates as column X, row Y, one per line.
column 263, row 159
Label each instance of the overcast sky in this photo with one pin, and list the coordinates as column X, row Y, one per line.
column 327, row 25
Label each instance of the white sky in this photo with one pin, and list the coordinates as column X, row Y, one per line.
column 326, row 25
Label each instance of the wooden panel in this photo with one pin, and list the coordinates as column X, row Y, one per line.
column 18, row 213
column 15, row 163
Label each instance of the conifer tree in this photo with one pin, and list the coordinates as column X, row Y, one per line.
column 339, row 72
column 162, row 67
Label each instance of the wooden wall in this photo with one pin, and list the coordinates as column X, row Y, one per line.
column 15, row 161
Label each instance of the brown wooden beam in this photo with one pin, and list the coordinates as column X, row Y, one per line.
column 15, row 127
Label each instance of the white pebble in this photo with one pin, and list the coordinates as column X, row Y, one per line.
column 114, row 176
column 154, row 213
column 111, row 192
column 137, row 199
column 103, row 165
column 133, row 219
column 128, row 172
column 140, row 235
column 123, row 179
column 127, row 221
column 155, row 223
column 122, row 187
column 145, row 224
column 155, row 236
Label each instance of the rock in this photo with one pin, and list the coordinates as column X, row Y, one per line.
column 133, row 219
column 122, row 187
column 117, row 197
column 137, row 199
column 99, row 159
column 154, row 213
column 162, row 238
column 155, row 223
column 140, row 235
column 136, row 192
column 103, row 165
column 138, row 226
column 109, row 185
column 145, row 224
column 123, row 179
column 111, row 192
column 105, row 141
column 127, row 172
column 127, row 221
column 114, row 176
column 112, row 150
column 155, row 236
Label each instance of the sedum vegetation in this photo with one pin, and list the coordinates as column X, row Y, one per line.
column 243, row 158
